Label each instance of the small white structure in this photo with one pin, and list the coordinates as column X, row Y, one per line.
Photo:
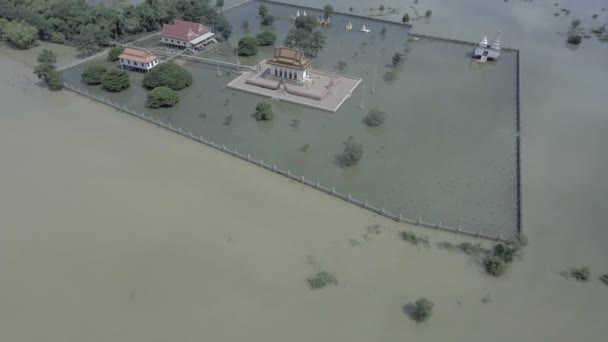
column 137, row 60
column 298, row 13
column 289, row 64
column 489, row 52
column 349, row 26
column 364, row 29
column 304, row 14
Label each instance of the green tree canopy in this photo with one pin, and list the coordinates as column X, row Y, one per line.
column 328, row 10
column 114, row 53
column 405, row 18
column 266, row 38
column 423, row 309
column 54, row 79
column 268, row 20
column 223, row 27
column 309, row 42
column 374, row 118
column 19, row 34
column 263, row 10
column 90, row 39
column 115, row 80
column 162, row 97
column 219, row 3
column 307, row 23
column 93, row 74
column 353, row 152
column 263, row 111
column 169, row 75
column 46, row 63
column 247, row 46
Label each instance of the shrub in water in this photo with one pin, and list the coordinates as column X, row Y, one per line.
column 266, row 38
column 494, row 265
column 263, row 111
column 247, row 46
column 115, row 80
column 472, row 249
column 167, row 75
column 162, row 97
column 428, row 13
column 114, row 53
column 406, row 18
column 604, row 278
column 423, row 309
column 414, row 239
column 93, row 74
column 574, row 38
column 374, row 118
column 581, row 274
column 321, row 279
column 352, row 152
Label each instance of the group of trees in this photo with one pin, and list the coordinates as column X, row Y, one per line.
column 19, row 34
column 248, row 45
column 114, row 80
column 46, row 70
column 90, row 27
column 267, row 18
column 304, row 36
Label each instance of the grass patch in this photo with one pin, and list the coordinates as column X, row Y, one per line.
column 414, row 239
column 321, row 280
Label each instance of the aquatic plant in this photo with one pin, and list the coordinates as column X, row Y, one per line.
column 446, row 245
column 381, row 8
column 162, row 97
column 494, row 265
column 263, row 111
column 390, row 76
column 305, row 147
column 321, row 280
column 604, row 278
column 93, row 74
column 414, row 239
column 423, row 309
column 575, row 23
column 374, row 118
column 580, row 274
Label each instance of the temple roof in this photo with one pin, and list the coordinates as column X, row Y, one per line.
column 142, row 56
column 288, row 57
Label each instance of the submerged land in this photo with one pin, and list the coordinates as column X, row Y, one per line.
column 113, row 229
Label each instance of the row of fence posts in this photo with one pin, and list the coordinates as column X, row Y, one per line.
column 287, row 173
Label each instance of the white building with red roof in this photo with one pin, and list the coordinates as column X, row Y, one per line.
column 185, row 34
column 137, row 60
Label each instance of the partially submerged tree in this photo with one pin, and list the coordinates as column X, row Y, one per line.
column 423, row 309
column 428, row 13
column 266, row 38
column 115, row 80
column 247, row 46
column 494, row 265
column 341, row 65
column 405, row 18
column 574, row 38
column 374, row 118
column 263, row 111
column 93, row 74
column 219, row 3
column 162, row 97
column 398, row 59
column 169, row 75
column 353, row 152
column 45, row 70
column 307, row 23
column 581, row 274
column 328, row 11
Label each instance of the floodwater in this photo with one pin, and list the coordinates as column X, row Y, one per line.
column 113, row 229
column 445, row 154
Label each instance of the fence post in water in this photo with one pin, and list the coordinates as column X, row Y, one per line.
column 383, row 211
column 236, row 153
column 349, row 196
column 248, row 156
column 400, row 217
column 478, row 233
column 439, row 225
column 180, row 130
column 224, row 147
column 333, row 190
column 170, row 125
column 274, row 167
column 365, row 204
column 302, row 179
column 261, row 163
column 288, row 173
column 419, row 220
column 317, row 184
column 458, row 230
column 499, row 237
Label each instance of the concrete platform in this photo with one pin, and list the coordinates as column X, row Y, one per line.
column 316, row 94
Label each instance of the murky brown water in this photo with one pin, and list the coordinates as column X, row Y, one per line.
column 109, row 232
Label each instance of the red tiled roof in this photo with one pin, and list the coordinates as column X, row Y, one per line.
column 138, row 55
column 183, row 30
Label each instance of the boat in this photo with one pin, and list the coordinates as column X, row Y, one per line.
column 349, row 26
column 363, row 29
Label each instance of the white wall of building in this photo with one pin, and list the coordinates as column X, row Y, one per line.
column 301, row 75
column 125, row 63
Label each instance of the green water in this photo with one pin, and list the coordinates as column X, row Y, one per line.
column 446, row 152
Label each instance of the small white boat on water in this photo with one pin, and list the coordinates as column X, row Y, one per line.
column 363, row 29
column 349, row 26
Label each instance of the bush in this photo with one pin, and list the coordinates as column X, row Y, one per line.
column 507, row 252
column 46, row 63
column 167, row 75
column 406, row 18
column 54, row 79
column 19, row 34
column 321, row 279
column 604, row 278
column 248, row 46
column 268, row 20
column 307, row 23
column 352, row 152
column 93, row 74
column 219, row 3
column 162, row 97
column 398, row 59
column 390, row 76
column 374, row 118
column 341, row 65
column 428, row 13
column 266, row 38
column 574, row 38
column 114, row 53
column 263, row 10
column 472, row 249
column 494, row 265
column 263, row 111
column 328, row 10
column 423, row 309
column 414, row 239
column 580, row 274
column 381, row 7
column 115, row 80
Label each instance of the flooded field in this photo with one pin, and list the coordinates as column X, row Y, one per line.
column 446, row 153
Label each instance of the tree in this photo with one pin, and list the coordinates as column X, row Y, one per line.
column 114, row 53
column 247, row 46
column 494, row 265
column 19, row 34
column 245, row 25
column 383, row 31
column 507, row 252
column 47, row 56
column 93, row 74
column 54, row 79
column 398, row 59
column 46, row 64
column 581, row 274
column 219, row 3
column 263, row 111
column 89, row 39
column 169, row 75
column 317, row 42
column 263, row 10
column 328, row 11
column 381, row 7
column 268, row 20
column 423, row 309
column 352, row 152
column 162, row 97
column 428, row 13
column 341, row 65
column 406, row 18
column 115, row 80
column 574, row 38
column 307, row 23
column 266, row 38
column 223, row 27
column 374, row 118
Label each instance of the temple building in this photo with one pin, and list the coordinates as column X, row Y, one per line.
column 485, row 51
column 185, row 34
column 289, row 64
column 137, row 60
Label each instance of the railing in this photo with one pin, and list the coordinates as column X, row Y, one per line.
column 287, row 173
